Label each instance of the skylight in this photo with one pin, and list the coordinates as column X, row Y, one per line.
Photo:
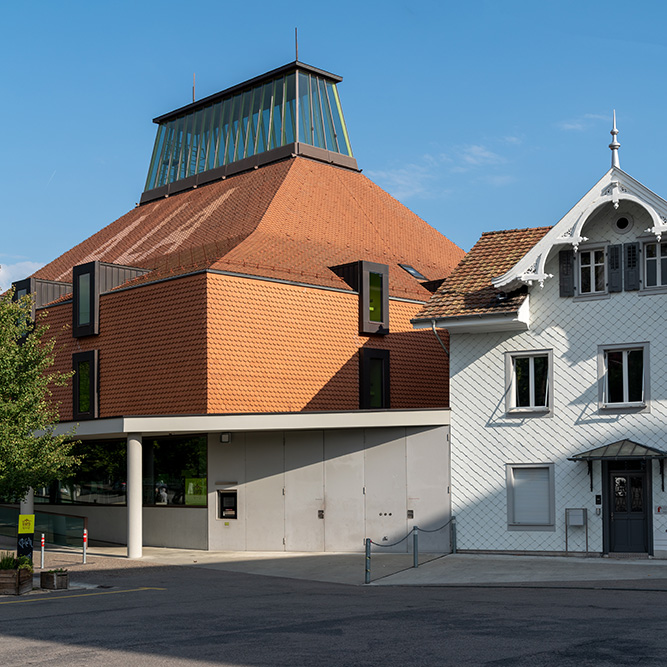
column 413, row 272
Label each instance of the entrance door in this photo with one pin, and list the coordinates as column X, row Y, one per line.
column 628, row 511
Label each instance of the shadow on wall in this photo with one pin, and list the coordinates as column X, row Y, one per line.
column 418, row 371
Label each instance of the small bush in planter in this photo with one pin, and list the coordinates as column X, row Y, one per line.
column 54, row 579
column 15, row 574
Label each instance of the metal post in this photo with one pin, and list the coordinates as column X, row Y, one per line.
column 453, row 534
column 367, row 580
column 85, row 544
column 415, row 546
column 42, row 565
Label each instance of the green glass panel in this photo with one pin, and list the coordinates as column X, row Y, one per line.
column 264, row 126
column 176, row 150
column 165, row 158
column 155, row 158
column 83, row 380
column 226, row 132
column 185, row 148
column 327, row 118
column 339, row 122
column 254, row 121
column 289, row 119
column 615, row 376
column 217, row 144
column 522, row 382
column 234, row 122
column 318, row 129
column 205, row 143
column 242, row 134
column 305, row 111
column 376, row 383
column 375, row 297
column 83, row 306
column 635, row 376
column 541, row 375
column 277, row 133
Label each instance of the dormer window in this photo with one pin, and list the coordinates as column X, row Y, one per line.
column 85, row 309
column 373, row 298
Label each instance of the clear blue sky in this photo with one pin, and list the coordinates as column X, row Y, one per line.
column 477, row 115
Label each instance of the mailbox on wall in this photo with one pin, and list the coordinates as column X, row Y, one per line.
column 227, row 505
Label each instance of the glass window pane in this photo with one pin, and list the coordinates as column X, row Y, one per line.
column 635, row 375
column 585, row 258
column 663, row 271
column 84, row 299
column 651, row 276
column 376, row 383
column 620, row 494
column 327, row 117
column 289, row 124
column 277, row 121
column 318, row 130
column 599, row 256
column 83, row 381
column 264, row 126
column 541, row 374
column 375, row 297
column 305, row 118
column 615, row 376
column 522, row 382
column 339, row 121
column 636, row 495
column 650, row 249
column 599, row 279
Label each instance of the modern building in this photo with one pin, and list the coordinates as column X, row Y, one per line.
column 558, row 383
column 246, row 374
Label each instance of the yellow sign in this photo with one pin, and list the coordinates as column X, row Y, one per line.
column 26, row 524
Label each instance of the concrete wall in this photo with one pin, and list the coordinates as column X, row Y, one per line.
column 329, row 490
column 485, row 438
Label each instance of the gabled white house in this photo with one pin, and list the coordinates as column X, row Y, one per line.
column 558, row 379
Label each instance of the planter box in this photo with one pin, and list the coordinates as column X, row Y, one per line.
column 15, row 582
column 54, row 580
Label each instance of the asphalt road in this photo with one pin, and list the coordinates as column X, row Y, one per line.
column 168, row 615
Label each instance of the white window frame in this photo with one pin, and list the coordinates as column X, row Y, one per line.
column 514, row 521
column 591, row 268
column 659, row 286
column 603, row 378
column 510, row 383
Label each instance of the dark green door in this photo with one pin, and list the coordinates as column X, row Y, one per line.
column 627, row 527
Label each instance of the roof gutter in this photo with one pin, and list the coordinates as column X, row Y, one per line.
column 437, row 335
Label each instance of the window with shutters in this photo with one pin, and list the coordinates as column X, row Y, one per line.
column 528, row 382
column 530, row 496
column 592, row 271
column 655, row 265
column 623, row 376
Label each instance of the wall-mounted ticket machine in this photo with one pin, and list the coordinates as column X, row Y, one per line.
column 227, row 505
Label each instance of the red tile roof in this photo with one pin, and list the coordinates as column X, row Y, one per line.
column 468, row 290
column 290, row 220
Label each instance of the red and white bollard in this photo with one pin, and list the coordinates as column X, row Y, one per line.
column 42, row 567
column 85, row 543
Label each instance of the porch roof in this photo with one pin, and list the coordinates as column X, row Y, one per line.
column 623, row 449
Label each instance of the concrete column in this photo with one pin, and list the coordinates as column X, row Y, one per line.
column 134, row 496
column 28, row 503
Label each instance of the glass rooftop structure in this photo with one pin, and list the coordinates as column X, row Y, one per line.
column 293, row 110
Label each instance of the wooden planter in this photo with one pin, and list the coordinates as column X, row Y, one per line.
column 15, row 582
column 54, row 580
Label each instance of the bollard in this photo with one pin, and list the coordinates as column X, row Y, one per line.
column 415, row 547
column 85, row 544
column 453, row 534
column 367, row 580
column 42, row 565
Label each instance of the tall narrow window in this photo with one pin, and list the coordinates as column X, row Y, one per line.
column 373, row 379
column 529, row 382
column 655, row 264
column 85, row 309
column 373, row 298
column 84, row 385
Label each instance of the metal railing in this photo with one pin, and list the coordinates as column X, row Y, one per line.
column 415, row 544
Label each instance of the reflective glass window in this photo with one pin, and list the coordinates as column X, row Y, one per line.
column 83, row 306
column 289, row 119
column 375, row 297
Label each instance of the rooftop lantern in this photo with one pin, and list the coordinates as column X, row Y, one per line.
column 292, row 110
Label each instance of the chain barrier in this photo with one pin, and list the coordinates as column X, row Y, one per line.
column 415, row 548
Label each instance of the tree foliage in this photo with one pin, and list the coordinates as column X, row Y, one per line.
column 31, row 454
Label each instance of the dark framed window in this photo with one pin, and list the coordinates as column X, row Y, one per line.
column 86, row 300
column 85, row 397
column 373, row 298
column 374, row 388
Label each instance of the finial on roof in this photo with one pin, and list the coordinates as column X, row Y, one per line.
column 614, row 145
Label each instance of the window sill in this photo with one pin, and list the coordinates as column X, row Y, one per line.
column 529, row 412
column 658, row 289
column 623, row 407
column 550, row 527
column 593, row 296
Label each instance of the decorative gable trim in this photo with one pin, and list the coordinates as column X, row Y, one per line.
column 615, row 186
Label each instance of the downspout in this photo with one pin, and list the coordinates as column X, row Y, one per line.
column 437, row 335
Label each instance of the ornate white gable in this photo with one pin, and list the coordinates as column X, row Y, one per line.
column 614, row 187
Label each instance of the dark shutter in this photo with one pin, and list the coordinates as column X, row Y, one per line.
column 566, row 272
column 631, row 278
column 615, row 267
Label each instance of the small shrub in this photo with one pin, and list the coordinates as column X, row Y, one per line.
column 24, row 563
column 7, row 561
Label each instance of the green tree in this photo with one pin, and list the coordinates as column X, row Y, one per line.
column 31, row 454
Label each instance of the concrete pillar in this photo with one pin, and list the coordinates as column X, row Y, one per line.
column 134, row 496
column 28, row 503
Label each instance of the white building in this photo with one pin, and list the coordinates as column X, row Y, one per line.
column 559, row 380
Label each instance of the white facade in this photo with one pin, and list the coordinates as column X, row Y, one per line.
column 489, row 438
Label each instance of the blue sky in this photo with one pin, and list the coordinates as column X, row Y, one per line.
column 477, row 115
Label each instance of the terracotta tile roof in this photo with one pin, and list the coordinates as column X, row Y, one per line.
column 468, row 290
column 289, row 220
